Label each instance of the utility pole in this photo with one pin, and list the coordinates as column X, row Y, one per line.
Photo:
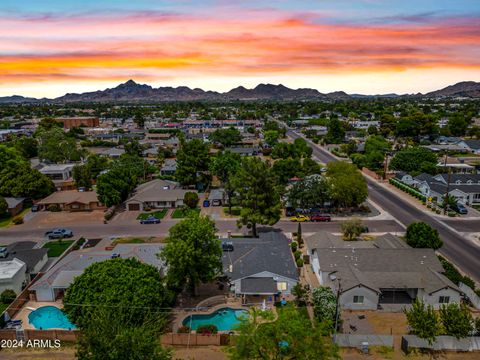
column 337, row 312
column 445, row 205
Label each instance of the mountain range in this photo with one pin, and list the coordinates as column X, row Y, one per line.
column 131, row 91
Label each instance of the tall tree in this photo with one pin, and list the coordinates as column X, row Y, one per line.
column 414, row 159
column 291, row 336
column 336, row 132
column 423, row 235
column 56, row 146
column 133, row 290
column 226, row 137
column 193, row 252
column 423, row 320
column 22, row 181
column 107, row 336
column 348, row 187
column 456, row 320
column 257, row 194
column 192, row 162
column 3, row 206
column 82, row 176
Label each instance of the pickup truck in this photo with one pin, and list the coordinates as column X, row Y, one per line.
column 59, row 233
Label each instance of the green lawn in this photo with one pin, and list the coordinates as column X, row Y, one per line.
column 160, row 214
column 56, row 248
column 129, row 240
column 4, row 222
column 179, row 214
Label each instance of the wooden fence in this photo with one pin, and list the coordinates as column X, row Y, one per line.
column 194, row 339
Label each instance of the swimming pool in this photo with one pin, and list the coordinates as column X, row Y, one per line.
column 50, row 317
column 224, row 319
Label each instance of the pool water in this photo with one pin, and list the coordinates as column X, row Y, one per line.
column 50, row 317
column 224, row 319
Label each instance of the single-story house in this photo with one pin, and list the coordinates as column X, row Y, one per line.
column 156, row 194
column 34, row 258
column 13, row 275
column 245, row 151
column 463, row 187
column 15, row 205
column 72, row 200
column 470, row 145
column 404, row 177
column 169, row 167
column 217, row 197
column 368, row 274
column 52, row 285
column 260, row 267
column 112, row 153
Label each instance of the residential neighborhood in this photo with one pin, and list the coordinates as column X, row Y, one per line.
column 242, row 180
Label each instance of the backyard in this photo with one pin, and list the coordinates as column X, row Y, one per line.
column 57, row 247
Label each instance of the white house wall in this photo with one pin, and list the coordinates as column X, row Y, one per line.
column 370, row 299
column 434, row 298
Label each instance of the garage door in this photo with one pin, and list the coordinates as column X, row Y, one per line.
column 133, row 207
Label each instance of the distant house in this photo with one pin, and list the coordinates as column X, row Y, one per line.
column 245, row 151
column 156, row 194
column 72, row 200
column 79, row 121
column 15, row 205
column 13, row 275
column 465, row 188
column 370, row 274
column 26, row 251
column 112, row 153
column 471, row 145
column 404, row 177
column 60, row 174
column 169, row 167
column 52, row 285
column 217, row 197
column 260, row 268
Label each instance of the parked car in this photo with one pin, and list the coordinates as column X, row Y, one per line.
column 290, row 211
column 150, row 220
column 227, row 246
column 320, row 218
column 35, row 208
column 300, row 218
column 59, row 233
column 459, row 208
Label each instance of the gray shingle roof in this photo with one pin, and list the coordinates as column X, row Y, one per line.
column 270, row 252
column 13, row 202
column 24, row 251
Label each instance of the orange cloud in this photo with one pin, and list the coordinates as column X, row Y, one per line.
column 156, row 46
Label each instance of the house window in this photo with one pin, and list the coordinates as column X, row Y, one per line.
column 358, row 299
column 281, row 286
column 444, row 299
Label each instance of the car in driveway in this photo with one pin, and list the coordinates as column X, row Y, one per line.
column 150, row 220
column 459, row 208
column 320, row 218
column 300, row 218
column 59, row 233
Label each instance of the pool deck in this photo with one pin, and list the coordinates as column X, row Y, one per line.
column 24, row 312
column 233, row 303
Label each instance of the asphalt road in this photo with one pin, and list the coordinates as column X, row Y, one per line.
column 456, row 248
column 24, row 232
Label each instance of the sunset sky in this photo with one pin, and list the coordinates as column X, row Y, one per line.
column 49, row 48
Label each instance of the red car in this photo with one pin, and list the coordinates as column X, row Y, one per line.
column 322, row 218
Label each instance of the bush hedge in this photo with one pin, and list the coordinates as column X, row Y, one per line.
column 207, row 329
column 17, row 220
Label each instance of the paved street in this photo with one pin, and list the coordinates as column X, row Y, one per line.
column 24, row 232
column 456, row 248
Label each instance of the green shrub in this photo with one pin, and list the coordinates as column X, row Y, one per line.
column 53, row 208
column 17, row 220
column 299, row 263
column 183, row 330
column 7, row 296
column 109, row 213
column 207, row 329
column 294, row 246
column 298, row 254
column 452, row 213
